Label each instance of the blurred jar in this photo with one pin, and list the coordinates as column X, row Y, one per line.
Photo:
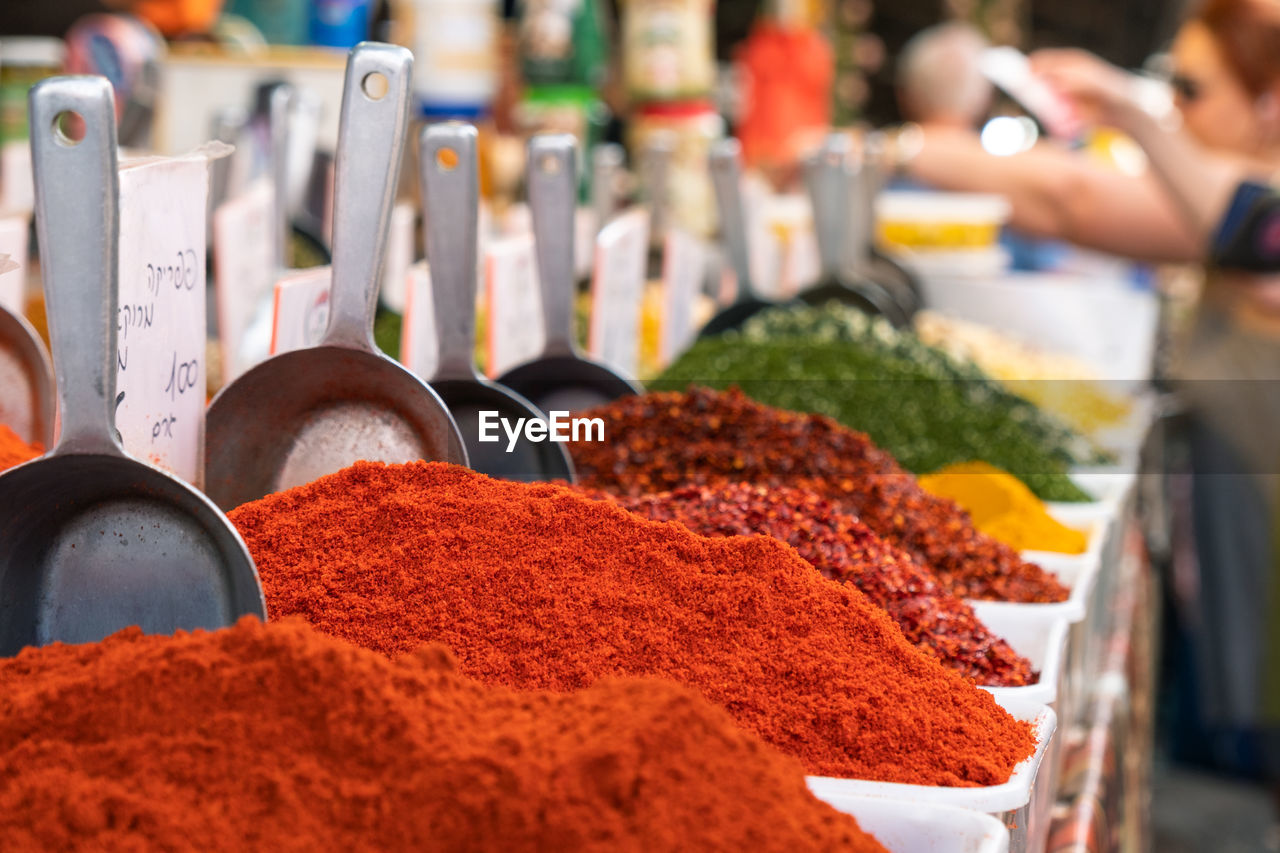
column 455, row 47
column 693, row 126
column 339, row 23
column 24, row 61
column 668, row 49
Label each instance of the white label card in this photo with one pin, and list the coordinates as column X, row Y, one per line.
column 300, row 311
column 244, row 268
column 17, row 181
column 160, row 348
column 684, row 269
column 13, row 242
column 617, row 291
column 419, row 346
column 515, row 333
column 395, row 270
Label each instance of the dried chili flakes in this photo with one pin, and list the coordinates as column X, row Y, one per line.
column 658, row 442
column 845, row 549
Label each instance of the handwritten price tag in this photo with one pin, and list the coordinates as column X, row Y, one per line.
column 300, row 310
column 515, row 306
column 419, row 347
column 684, row 269
column 617, row 289
column 395, row 271
column 13, row 242
column 244, row 268
column 160, row 355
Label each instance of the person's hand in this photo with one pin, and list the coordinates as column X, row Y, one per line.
column 1100, row 92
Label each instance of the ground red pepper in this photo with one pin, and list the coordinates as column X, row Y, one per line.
column 845, row 549
column 536, row 586
column 274, row 737
column 15, row 451
column 658, row 442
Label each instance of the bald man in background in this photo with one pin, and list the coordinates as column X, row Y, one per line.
column 938, row 80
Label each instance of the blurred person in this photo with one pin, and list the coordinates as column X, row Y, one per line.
column 1226, row 83
column 938, row 79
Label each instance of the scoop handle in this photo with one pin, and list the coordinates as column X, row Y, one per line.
column 866, row 181
column 77, row 202
column 279, row 104
column 726, row 179
column 552, row 181
column 826, row 176
column 371, row 140
column 450, row 198
column 607, row 160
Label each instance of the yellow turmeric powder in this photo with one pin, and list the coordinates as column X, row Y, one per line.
column 1003, row 508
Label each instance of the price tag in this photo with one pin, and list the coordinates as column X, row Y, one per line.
column 17, row 181
column 617, row 290
column 160, row 349
column 244, row 269
column 13, row 242
column 515, row 306
column 395, row 270
column 684, row 269
column 419, row 348
column 300, row 311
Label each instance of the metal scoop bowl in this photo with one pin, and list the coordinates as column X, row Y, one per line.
column 91, row 540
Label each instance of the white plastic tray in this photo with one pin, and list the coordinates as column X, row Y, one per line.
column 912, row 828
column 1040, row 638
column 1075, row 571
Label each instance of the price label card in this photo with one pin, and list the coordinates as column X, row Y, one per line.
column 419, row 347
column 160, row 349
column 13, row 242
column 617, row 291
column 684, row 269
column 17, row 180
column 515, row 332
column 244, row 268
column 395, row 270
column 300, row 312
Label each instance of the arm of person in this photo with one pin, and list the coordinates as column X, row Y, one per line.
column 1058, row 194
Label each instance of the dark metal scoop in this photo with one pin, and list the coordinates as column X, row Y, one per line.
column 726, row 177
column 91, row 540
column 560, row 379
column 450, row 198
column 310, row 412
column 26, row 375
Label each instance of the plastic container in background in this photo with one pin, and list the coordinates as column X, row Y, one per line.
column 934, row 221
column 693, row 127
column 455, row 54
column 338, row 23
column 902, row 827
column 1021, row 804
column 668, row 49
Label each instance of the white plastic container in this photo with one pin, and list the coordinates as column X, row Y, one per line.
column 1022, row 804
column 912, row 828
column 922, row 221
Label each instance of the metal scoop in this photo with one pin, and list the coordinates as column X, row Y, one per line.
column 310, row 412
column 726, row 177
column 26, row 375
column 827, row 177
column 560, row 379
column 452, row 206
column 866, row 260
column 91, row 540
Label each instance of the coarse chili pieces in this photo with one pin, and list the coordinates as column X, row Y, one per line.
column 658, row 442
column 845, row 549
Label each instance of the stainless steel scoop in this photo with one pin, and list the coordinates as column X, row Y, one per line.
column 726, row 178
column 450, row 195
column 560, row 379
column 91, row 540
column 26, row 375
column 310, row 412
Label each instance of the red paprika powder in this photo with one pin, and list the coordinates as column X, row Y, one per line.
column 845, row 549
column 658, row 442
column 536, row 586
column 15, row 451
column 274, row 737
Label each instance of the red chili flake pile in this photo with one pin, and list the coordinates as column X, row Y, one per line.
column 845, row 549
column 659, row 442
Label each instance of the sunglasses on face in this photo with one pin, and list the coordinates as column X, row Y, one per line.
column 1186, row 88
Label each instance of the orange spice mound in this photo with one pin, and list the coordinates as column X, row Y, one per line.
column 15, row 451
column 536, row 586
column 273, row 737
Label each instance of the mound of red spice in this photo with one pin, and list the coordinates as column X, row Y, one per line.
column 536, row 586
column 15, row 451
column 659, row 442
column 845, row 549
column 273, row 737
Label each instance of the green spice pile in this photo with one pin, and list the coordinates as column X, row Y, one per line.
column 845, row 549
column 659, row 442
column 921, row 405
